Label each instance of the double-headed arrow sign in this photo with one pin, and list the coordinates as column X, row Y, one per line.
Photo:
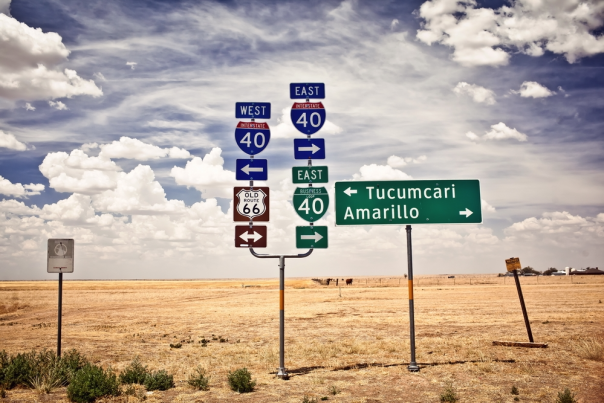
column 408, row 202
column 246, row 236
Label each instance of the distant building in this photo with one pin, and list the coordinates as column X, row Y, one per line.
column 587, row 272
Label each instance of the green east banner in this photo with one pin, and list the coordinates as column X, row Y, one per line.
column 408, row 202
column 311, row 174
column 311, row 237
column 311, row 203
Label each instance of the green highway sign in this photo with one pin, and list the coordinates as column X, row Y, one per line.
column 311, row 237
column 311, row 203
column 309, row 174
column 408, row 202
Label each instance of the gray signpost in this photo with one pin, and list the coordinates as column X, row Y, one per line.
column 408, row 202
column 60, row 260
column 253, row 203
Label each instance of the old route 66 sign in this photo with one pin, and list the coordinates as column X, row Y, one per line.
column 251, row 203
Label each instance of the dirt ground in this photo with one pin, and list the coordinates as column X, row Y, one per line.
column 352, row 340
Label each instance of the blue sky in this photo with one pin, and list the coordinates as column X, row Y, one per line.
column 117, row 129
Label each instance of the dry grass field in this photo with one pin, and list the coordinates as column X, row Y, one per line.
column 354, row 341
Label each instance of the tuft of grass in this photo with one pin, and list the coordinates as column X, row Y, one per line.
column 324, row 398
column 591, row 349
column 333, row 390
column 448, row 395
column 159, row 380
column 199, row 380
column 176, row 345
column 92, row 382
column 134, row 373
column 515, row 391
column 566, row 397
column 241, row 381
column 307, row 399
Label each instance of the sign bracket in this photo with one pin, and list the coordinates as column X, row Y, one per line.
column 282, row 371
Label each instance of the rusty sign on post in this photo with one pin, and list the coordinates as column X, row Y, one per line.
column 513, row 263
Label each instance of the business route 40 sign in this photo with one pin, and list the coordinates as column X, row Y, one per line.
column 408, row 202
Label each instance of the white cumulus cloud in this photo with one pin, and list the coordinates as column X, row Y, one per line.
column 58, row 105
column 137, row 192
column 532, row 89
column 28, row 60
column 18, row 190
column 498, row 132
column 397, row 162
column 379, row 172
column 8, row 140
column 131, row 64
column 206, row 175
column 79, row 173
column 484, row 36
column 479, row 94
column 135, row 149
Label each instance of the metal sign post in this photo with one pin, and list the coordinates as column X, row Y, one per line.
column 408, row 202
column 282, row 371
column 60, row 314
column 413, row 367
column 513, row 265
column 60, row 260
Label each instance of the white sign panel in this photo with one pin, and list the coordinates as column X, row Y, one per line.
column 60, row 255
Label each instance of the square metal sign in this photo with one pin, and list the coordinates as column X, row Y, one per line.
column 60, row 256
column 311, row 237
column 312, row 174
column 251, row 203
column 513, row 263
column 246, row 236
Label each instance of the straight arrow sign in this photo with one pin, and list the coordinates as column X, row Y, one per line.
column 247, row 169
column 309, row 148
column 251, row 170
column 350, row 191
column 467, row 212
column 315, row 237
column 313, row 149
column 311, row 237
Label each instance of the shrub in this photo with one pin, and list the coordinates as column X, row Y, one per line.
column 17, row 370
column 134, row 373
column 515, row 391
column 566, row 397
column 177, row 345
column 334, row 390
column 199, row 380
column 309, row 400
column 42, row 371
column 448, row 395
column 159, row 380
column 241, row 381
column 92, row 382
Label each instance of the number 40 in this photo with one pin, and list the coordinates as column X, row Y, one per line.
column 259, row 139
column 317, row 206
column 302, row 119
